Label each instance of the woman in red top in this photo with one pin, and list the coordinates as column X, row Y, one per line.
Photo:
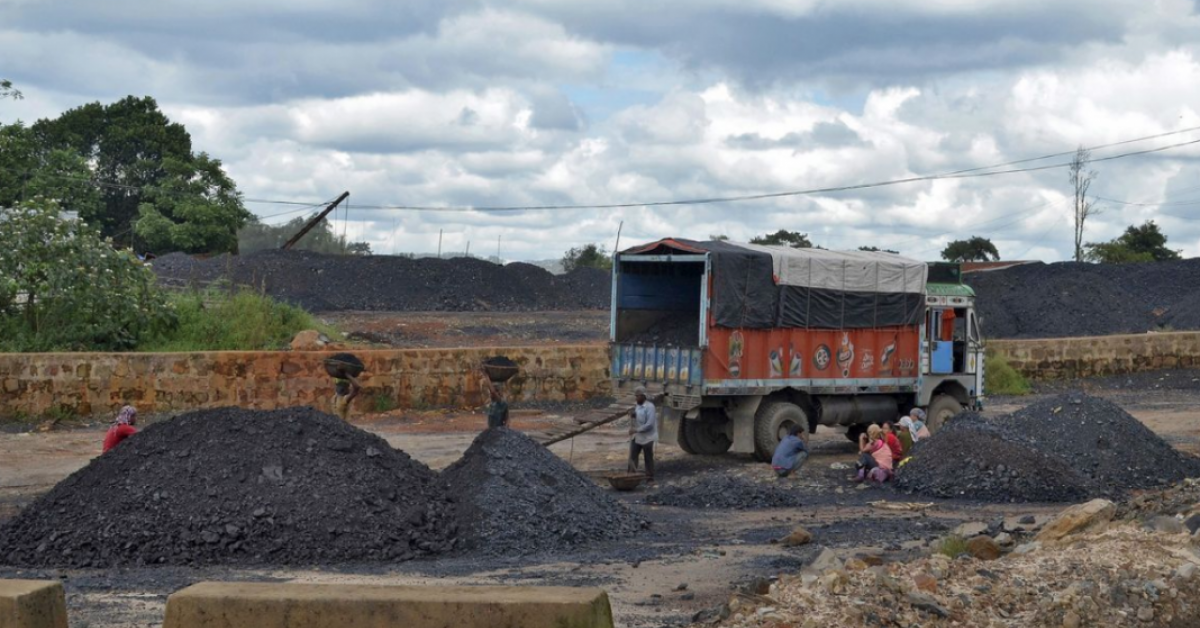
column 122, row 428
column 893, row 442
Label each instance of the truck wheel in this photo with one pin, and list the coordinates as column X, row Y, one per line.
column 941, row 409
column 706, row 435
column 682, row 437
column 854, row 431
column 772, row 423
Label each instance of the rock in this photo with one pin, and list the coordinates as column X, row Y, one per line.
column 912, row 545
column 1166, row 525
column 927, row 603
column 1071, row 620
column 824, row 561
column 1027, row 523
column 835, row 581
column 799, row 536
column 1004, row 539
column 1145, row 613
column 1026, row 548
column 681, row 586
column 687, row 597
column 887, row 583
column 1185, row 571
column 983, row 547
column 308, row 340
column 1192, row 523
column 1076, row 519
column 871, row 560
column 854, row 564
column 925, row 582
column 1027, row 520
column 970, row 529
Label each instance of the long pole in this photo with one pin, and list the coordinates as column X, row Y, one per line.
column 617, row 246
column 468, row 248
column 498, row 248
column 312, row 223
column 439, row 244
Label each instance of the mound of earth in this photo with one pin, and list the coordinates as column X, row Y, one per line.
column 969, row 459
column 725, row 491
column 516, row 497
column 322, row 282
column 238, row 486
column 1063, row 448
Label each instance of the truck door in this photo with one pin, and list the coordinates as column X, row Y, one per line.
column 941, row 343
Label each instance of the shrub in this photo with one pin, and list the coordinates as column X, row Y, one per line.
column 241, row 319
column 64, row 288
column 952, row 546
column 999, row 378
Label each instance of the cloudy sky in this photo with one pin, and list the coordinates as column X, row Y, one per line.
column 461, row 103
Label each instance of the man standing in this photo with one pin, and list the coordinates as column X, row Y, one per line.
column 644, row 430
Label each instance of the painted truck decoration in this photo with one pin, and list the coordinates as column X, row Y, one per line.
column 746, row 340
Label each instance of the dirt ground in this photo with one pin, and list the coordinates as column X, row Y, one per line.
column 464, row 329
column 688, row 561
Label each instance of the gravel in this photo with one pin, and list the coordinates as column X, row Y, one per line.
column 725, row 491
column 516, row 498
column 1074, row 299
column 233, row 486
column 322, row 282
column 1063, row 448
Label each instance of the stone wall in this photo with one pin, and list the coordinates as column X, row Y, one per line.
column 1066, row 358
column 37, row 384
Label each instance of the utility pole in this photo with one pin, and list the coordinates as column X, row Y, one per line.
column 498, row 248
column 312, row 223
column 439, row 244
column 468, row 248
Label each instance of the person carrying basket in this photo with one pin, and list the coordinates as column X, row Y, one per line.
column 345, row 369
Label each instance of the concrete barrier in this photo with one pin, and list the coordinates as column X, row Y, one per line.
column 32, row 604
column 246, row 605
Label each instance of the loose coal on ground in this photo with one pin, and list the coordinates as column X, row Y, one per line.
column 678, row 329
column 1075, row 299
column 726, row 491
column 322, row 282
column 1062, row 448
column 233, row 486
column 516, row 497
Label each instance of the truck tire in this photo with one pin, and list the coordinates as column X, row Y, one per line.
column 941, row 409
column 771, row 424
column 682, row 438
column 706, row 435
column 854, row 431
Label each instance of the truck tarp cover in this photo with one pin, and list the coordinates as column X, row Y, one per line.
column 757, row 286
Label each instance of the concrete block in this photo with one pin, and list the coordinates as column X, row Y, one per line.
column 288, row 605
column 32, row 604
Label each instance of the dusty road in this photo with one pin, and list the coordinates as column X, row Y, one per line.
column 711, row 551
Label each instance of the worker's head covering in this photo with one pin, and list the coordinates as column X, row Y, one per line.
column 640, row 390
column 908, row 424
column 127, row 415
column 874, row 431
column 917, row 414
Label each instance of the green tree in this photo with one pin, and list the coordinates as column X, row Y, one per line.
column 258, row 236
column 875, row 249
column 138, row 156
column 794, row 239
column 586, row 256
column 8, row 91
column 1138, row 244
column 719, row 237
column 976, row 249
column 64, row 287
column 60, row 175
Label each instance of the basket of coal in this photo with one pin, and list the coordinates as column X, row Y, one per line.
column 626, row 481
column 500, row 369
column 342, row 365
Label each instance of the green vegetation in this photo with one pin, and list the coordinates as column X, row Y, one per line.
column 587, row 256
column 258, row 236
column 783, row 237
column 976, row 249
column 999, row 378
column 952, row 546
column 383, row 403
column 243, row 319
column 1138, row 244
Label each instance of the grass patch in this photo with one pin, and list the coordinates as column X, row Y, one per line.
column 999, row 378
column 383, row 403
column 238, row 320
column 953, row 546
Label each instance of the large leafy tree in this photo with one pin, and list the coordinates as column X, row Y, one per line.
column 975, row 249
column 8, row 91
column 783, row 237
column 586, row 256
column 64, row 287
column 144, row 167
column 1145, row 243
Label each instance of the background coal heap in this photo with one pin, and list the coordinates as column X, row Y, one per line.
column 1063, row 448
column 725, row 491
column 321, row 282
column 1073, row 299
column 516, row 497
column 238, row 486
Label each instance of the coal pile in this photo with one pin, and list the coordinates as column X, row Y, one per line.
column 232, row 486
column 970, row 459
column 1063, row 448
column 516, row 497
column 322, row 282
column 726, row 492
column 678, row 329
column 1075, row 299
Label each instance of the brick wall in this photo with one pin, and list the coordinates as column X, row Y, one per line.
column 1065, row 358
column 35, row 384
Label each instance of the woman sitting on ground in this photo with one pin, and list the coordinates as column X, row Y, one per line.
column 875, row 461
column 919, row 429
column 905, row 435
column 122, row 427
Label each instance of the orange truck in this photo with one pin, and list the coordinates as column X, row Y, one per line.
column 745, row 340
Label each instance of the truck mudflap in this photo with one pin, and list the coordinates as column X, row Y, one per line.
column 661, row 364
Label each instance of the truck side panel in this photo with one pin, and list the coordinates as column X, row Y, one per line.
column 806, row 357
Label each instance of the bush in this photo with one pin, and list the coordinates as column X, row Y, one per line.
column 952, row 546
column 64, row 288
column 216, row 320
column 1001, row 379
